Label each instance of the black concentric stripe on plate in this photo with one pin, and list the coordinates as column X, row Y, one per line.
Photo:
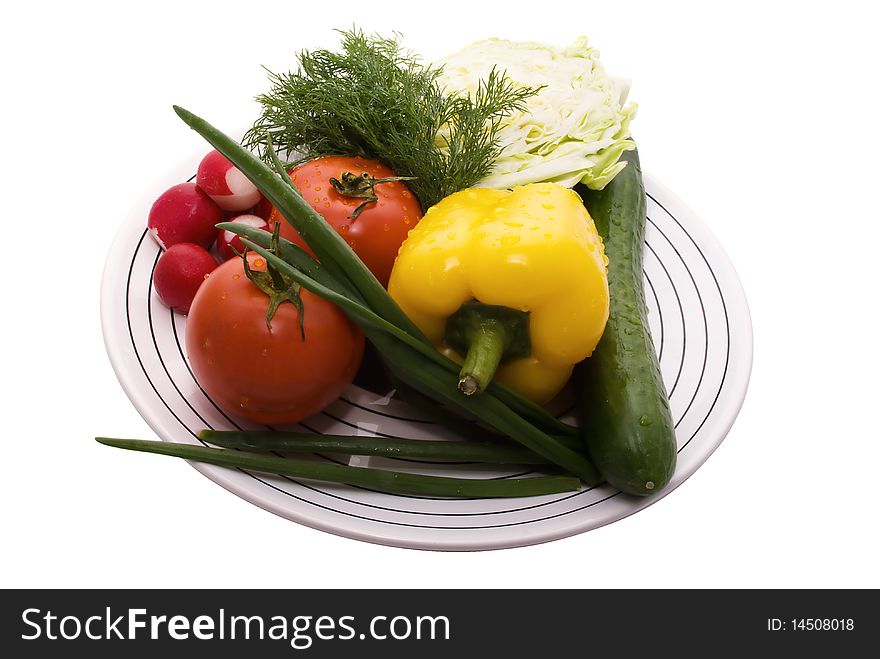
column 659, row 315
column 684, row 342
column 705, row 323
column 496, row 512
column 680, row 313
column 344, row 399
column 726, row 319
column 461, row 528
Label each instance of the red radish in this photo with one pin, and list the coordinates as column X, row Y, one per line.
column 184, row 214
column 263, row 208
column 225, row 184
column 179, row 272
column 229, row 243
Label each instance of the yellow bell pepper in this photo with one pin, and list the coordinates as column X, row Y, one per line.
column 514, row 280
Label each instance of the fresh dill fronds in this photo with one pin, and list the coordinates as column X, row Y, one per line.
column 374, row 99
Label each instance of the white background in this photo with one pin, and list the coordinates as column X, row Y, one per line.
column 763, row 117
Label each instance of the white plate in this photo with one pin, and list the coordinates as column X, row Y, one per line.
column 701, row 327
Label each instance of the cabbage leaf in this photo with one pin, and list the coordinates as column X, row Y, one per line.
column 572, row 131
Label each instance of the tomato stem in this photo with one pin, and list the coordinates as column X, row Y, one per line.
column 275, row 285
column 361, row 186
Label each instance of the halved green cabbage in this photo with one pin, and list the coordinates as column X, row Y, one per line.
column 573, row 130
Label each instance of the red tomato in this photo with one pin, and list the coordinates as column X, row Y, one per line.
column 270, row 376
column 378, row 231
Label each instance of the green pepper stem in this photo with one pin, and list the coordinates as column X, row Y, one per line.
column 486, row 335
column 488, row 345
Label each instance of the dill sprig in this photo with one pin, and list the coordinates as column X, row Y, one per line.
column 376, row 100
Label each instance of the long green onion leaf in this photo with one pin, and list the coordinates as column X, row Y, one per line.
column 392, row 482
column 391, row 447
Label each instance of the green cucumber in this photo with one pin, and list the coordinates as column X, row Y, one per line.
column 622, row 401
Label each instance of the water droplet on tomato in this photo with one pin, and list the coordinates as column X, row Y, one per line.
column 510, row 239
column 317, row 188
column 244, row 400
column 223, row 295
column 236, row 276
column 513, row 224
column 386, row 228
column 264, row 352
column 548, row 207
